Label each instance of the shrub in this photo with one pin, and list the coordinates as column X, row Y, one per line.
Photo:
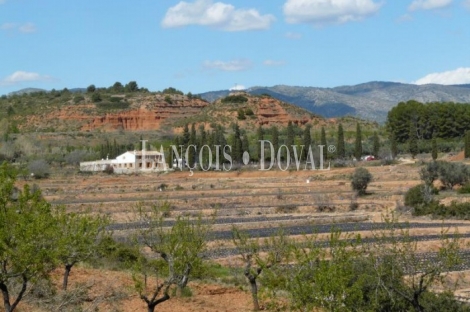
column 241, row 114
column 287, row 209
column 429, row 173
column 249, row 112
column 465, row 189
column 39, row 169
column 452, row 174
column 234, row 99
column 360, row 180
column 78, row 98
column 96, row 97
column 109, row 169
column 168, row 99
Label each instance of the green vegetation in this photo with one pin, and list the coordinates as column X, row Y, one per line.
column 360, row 179
column 235, row 99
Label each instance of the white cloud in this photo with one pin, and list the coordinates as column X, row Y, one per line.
column 27, row 28
column 22, row 76
column 23, row 28
column 321, row 12
column 218, row 15
column 457, row 76
column 237, row 87
column 273, row 63
column 293, row 36
column 234, row 65
column 429, row 4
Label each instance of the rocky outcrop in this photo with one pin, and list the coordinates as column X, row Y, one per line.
column 148, row 117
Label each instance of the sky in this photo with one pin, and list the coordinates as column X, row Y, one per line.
column 205, row 45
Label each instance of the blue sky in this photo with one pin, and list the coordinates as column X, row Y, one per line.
column 205, row 45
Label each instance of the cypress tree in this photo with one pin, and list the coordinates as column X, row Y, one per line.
column 307, row 140
column 192, row 152
column 186, row 135
column 413, row 140
column 358, row 146
column 260, row 136
column 376, row 145
column 275, row 140
column 323, row 142
column 340, row 150
column 290, row 139
column 434, row 148
column 237, row 148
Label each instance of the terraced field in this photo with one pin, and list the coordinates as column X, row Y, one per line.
column 299, row 202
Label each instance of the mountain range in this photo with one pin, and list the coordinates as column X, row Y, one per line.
column 371, row 100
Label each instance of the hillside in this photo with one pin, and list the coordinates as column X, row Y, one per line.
column 64, row 111
column 370, row 100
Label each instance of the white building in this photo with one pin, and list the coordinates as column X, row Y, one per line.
column 129, row 162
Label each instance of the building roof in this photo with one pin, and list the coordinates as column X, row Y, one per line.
column 148, row 153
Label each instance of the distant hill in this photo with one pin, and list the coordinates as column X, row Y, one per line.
column 26, row 91
column 370, row 100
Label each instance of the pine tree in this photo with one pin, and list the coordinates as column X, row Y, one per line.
column 260, row 136
column 413, row 140
column 376, row 145
column 307, row 141
column 323, row 142
column 340, row 150
column 358, row 146
column 434, row 148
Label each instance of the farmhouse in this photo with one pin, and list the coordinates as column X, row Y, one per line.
column 135, row 161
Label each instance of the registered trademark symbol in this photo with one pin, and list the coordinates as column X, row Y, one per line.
column 331, row 148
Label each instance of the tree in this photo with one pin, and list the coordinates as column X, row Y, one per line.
column 306, row 141
column 80, row 236
column 434, row 149
column 358, row 146
column 180, row 248
column 360, row 179
column 376, row 145
column 393, row 145
column 467, row 144
column 117, row 87
column 193, row 151
column 91, row 88
column 323, row 142
column 290, row 139
column 395, row 255
column 241, row 114
column 340, row 150
column 96, row 97
column 277, row 249
column 237, row 145
column 259, row 136
column 275, row 139
column 186, row 136
column 132, row 86
column 413, row 140
column 28, row 237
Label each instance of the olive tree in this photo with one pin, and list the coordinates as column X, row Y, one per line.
column 360, row 179
column 178, row 243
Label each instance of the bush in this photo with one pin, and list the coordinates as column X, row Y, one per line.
column 465, row 189
column 168, row 99
column 39, row 169
column 96, row 97
column 452, row 174
column 360, row 180
column 234, row 99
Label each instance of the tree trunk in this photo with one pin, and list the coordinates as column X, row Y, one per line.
column 254, row 294
column 68, row 268
column 6, row 297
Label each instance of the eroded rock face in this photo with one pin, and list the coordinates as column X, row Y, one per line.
column 148, row 117
column 271, row 112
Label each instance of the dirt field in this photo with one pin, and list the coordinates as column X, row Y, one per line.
column 257, row 201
